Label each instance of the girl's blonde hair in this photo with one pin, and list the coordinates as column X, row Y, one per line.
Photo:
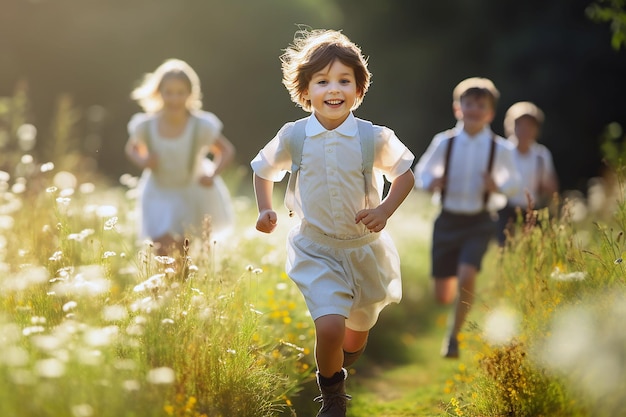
column 311, row 52
column 147, row 93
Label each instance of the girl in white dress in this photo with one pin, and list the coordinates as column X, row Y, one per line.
column 180, row 187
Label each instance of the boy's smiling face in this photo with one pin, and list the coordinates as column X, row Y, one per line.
column 333, row 93
column 477, row 111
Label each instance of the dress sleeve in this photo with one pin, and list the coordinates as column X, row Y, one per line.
column 137, row 127
column 274, row 160
column 392, row 158
column 210, row 127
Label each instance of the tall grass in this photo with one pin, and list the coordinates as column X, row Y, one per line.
column 92, row 323
column 551, row 342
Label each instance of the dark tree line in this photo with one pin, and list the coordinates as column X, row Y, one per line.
column 549, row 52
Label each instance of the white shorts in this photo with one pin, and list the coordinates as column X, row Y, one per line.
column 355, row 278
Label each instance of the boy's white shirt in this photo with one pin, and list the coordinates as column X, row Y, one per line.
column 458, row 128
column 468, row 162
column 330, row 188
column 527, row 165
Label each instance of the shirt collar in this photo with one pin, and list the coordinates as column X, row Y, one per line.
column 485, row 133
column 347, row 128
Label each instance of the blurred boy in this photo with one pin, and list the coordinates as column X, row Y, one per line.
column 474, row 170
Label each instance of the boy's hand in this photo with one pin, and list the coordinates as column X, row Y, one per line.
column 266, row 222
column 437, row 184
column 151, row 161
column 206, row 180
column 374, row 219
column 490, row 184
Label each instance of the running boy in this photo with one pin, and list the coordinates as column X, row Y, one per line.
column 473, row 170
column 345, row 265
column 522, row 126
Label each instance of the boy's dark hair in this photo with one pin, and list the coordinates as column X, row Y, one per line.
column 476, row 87
column 311, row 52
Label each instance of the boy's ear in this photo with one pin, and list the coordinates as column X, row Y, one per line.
column 305, row 95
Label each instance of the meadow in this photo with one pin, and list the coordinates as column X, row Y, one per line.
column 93, row 324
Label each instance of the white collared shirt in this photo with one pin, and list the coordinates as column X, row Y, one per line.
column 331, row 188
column 536, row 167
column 468, row 162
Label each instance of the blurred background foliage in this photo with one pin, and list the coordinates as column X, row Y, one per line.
column 85, row 56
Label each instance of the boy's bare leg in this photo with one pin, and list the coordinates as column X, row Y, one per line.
column 353, row 346
column 461, row 290
column 329, row 338
column 467, row 282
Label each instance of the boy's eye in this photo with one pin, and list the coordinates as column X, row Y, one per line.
column 345, row 81
column 323, row 82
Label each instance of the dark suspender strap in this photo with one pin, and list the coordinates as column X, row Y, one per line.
column 492, row 153
column 445, row 168
column 540, row 168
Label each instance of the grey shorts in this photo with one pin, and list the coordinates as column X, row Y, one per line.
column 460, row 239
column 354, row 278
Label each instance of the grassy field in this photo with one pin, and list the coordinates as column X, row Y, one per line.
column 93, row 324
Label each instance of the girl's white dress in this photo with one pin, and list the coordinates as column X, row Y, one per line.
column 171, row 200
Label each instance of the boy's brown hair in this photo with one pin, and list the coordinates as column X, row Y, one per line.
column 311, row 52
column 476, row 87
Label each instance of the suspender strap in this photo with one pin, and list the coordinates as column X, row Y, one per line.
column 492, row 154
column 295, row 143
column 366, row 135
column 445, row 167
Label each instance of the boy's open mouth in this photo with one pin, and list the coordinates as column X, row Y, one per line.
column 334, row 102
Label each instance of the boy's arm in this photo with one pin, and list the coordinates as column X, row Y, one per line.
column 263, row 189
column 376, row 219
column 398, row 191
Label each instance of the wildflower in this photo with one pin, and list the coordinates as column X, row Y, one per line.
column 501, row 326
column 558, row 275
column 114, row 313
column 70, row 305
column 163, row 375
column 47, row 167
column 82, row 410
column 64, row 179
column 108, row 254
column 110, row 224
column 102, row 336
column 131, row 385
column 164, row 260
column 87, row 188
column 15, row 356
column 18, row 188
column 63, row 201
column 107, row 211
column 152, row 283
column 50, row 368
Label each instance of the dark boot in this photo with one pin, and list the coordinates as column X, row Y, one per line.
column 450, row 347
column 334, row 398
